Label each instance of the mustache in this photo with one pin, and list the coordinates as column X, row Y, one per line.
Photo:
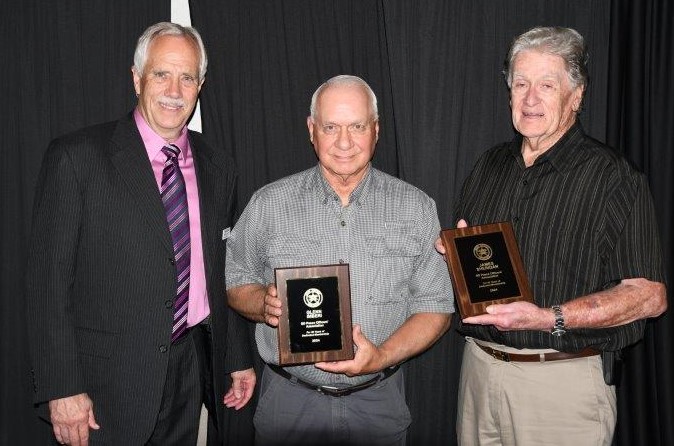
column 171, row 102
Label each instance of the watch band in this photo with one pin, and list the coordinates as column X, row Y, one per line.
column 559, row 328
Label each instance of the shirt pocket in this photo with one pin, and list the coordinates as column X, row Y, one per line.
column 392, row 255
column 292, row 251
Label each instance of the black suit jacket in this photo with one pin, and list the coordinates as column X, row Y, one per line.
column 101, row 281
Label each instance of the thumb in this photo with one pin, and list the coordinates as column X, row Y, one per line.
column 237, row 385
column 358, row 336
column 92, row 420
column 462, row 224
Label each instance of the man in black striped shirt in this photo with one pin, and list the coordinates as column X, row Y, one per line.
column 584, row 221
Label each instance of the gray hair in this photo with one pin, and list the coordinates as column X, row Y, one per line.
column 168, row 29
column 346, row 80
column 566, row 43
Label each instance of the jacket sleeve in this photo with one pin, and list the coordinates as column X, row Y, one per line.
column 50, row 277
column 239, row 345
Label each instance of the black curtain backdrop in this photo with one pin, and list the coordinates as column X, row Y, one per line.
column 435, row 66
column 640, row 124
column 67, row 64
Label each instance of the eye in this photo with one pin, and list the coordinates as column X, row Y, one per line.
column 188, row 80
column 160, row 76
column 330, row 129
column 359, row 127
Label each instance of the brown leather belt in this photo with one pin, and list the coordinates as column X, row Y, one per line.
column 334, row 391
column 537, row 357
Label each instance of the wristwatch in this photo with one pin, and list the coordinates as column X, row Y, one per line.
column 559, row 328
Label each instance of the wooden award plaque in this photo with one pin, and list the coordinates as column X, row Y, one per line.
column 316, row 322
column 486, row 268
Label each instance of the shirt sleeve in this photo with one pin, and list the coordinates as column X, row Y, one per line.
column 245, row 262
column 430, row 285
column 632, row 234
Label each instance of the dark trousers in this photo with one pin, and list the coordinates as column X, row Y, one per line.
column 188, row 384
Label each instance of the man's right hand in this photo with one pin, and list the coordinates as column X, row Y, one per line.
column 71, row 418
column 272, row 306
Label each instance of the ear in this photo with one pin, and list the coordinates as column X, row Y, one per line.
column 376, row 131
column 577, row 98
column 310, row 126
column 136, row 80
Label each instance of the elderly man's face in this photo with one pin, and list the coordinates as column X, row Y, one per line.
column 542, row 99
column 169, row 87
column 343, row 134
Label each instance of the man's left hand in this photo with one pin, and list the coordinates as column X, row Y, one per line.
column 515, row 316
column 243, row 384
column 367, row 359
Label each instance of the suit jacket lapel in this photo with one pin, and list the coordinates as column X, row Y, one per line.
column 214, row 185
column 130, row 158
column 205, row 177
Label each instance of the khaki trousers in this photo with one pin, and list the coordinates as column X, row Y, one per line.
column 554, row 403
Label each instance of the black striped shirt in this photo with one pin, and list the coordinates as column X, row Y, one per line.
column 584, row 220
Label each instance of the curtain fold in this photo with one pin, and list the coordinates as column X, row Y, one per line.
column 640, row 114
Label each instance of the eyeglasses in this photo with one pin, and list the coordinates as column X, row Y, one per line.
column 357, row 128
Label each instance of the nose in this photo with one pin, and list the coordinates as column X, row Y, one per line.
column 531, row 96
column 173, row 87
column 344, row 141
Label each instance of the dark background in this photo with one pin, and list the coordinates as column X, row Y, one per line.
column 435, row 66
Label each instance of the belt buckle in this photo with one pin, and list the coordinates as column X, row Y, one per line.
column 502, row 356
column 333, row 391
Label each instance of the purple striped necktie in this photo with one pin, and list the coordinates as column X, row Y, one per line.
column 174, row 197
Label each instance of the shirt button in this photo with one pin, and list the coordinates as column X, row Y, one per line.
column 163, row 348
column 168, row 304
column 341, row 260
column 343, row 223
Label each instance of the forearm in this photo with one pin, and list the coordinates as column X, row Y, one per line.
column 248, row 300
column 629, row 301
column 418, row 333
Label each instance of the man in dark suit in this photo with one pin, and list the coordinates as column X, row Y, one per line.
column 129, row 328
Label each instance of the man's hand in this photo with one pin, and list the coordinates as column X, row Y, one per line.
column 272, row 306
column 71, row 418
column 515, row 316
column 243, row 384
column 256, row 302
column 439, row 246
column 367, row 359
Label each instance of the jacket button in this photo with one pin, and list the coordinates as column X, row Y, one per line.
column 163, row 348
column 172, row 261
column 168, row 304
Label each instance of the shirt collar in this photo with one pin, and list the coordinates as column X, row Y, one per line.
column 562, row 155
column 154, row 143
column 357, row 196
